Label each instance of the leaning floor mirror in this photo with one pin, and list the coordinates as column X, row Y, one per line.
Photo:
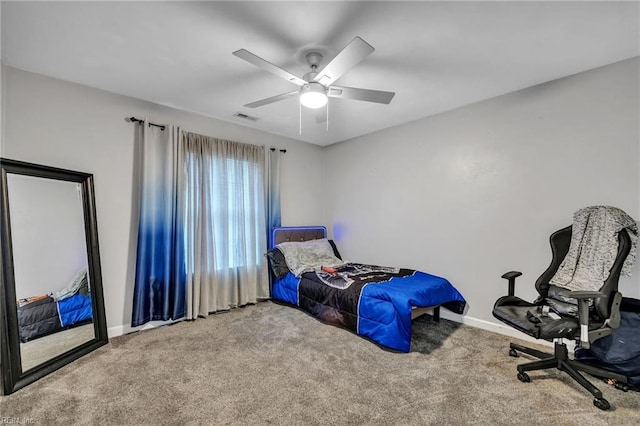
column 52, row 309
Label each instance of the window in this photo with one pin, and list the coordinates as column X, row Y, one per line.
column 224, row 216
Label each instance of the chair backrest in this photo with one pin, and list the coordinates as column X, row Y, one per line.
column 560, row 242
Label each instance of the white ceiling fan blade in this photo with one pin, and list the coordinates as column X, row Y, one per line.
column 272, row 99
column 377, row 96
column 356, row 51
column 268, row 66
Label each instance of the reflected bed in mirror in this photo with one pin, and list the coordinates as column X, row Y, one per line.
column 53, row 310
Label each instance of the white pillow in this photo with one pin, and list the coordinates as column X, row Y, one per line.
column 306, row 256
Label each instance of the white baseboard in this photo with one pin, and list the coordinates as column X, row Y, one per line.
column 490, row 326
column 120, row 330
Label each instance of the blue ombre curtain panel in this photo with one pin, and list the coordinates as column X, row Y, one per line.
column 159, row 292
column 274, row 216
column 224, row 223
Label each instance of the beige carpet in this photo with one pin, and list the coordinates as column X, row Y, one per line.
column 37, row 351
column 273, row 364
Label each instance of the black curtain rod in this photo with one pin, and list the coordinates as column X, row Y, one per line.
column 137, row 120
column 162, row 126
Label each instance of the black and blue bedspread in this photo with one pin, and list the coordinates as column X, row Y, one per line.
column 376, row 305
column 44, row 315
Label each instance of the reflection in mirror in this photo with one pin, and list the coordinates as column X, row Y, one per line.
column 50, row 267
column 52, row 308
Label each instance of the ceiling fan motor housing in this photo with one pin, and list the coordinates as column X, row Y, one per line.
column 313, row 59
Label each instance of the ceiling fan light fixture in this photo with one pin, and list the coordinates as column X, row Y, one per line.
column 313, row 95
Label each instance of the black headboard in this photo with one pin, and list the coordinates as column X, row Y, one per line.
column 298, row 233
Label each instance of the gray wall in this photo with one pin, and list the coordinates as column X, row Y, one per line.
column 47, row 234
column 2, row 89
column 60, row 124
column 472, row 193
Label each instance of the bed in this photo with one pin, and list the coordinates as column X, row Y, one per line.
column 378, row 303
column 45, row 314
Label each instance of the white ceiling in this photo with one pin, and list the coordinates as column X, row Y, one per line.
column 436, row 56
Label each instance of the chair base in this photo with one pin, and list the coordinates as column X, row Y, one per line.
column 560, row 360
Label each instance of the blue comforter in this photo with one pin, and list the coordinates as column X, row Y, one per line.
column 75, row 309
column 378, row 309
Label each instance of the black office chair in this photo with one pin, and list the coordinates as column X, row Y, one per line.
column 558, row 313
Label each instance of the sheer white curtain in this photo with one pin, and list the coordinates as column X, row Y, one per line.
column 224, row 223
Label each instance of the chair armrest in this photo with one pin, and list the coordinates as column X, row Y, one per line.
column 511, row 276
column 583, row 294
column 587, row 336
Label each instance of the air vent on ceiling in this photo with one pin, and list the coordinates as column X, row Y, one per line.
column 245, row 116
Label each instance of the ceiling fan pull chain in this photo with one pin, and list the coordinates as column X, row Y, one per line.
column 299, row 118
column 327, row 114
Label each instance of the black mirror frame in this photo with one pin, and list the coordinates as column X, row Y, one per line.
column 13, row 378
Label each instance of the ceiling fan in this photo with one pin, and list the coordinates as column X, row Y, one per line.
column 316, row 86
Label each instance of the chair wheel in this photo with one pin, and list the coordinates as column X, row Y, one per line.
column 622, row 386
column 601, row 403
column 524, row 378
column 513, row 353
